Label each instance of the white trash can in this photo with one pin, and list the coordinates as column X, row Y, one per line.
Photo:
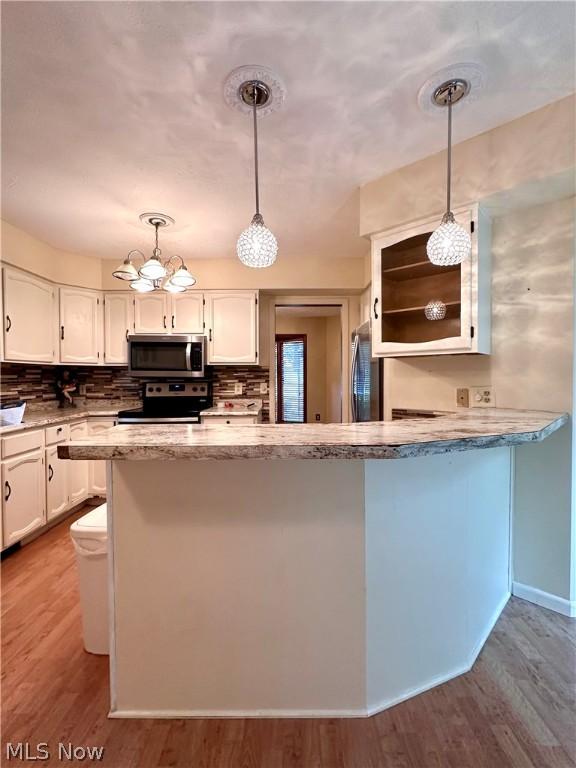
column 90, row 536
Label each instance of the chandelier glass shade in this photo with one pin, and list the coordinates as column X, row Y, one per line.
column 450, row 243
column 256, row 247
column 435, row 310
column 155, row 274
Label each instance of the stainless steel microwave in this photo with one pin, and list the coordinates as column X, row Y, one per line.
column 175, row 356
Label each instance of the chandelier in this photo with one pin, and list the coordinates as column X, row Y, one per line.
column 449, row 243
column 155, row 274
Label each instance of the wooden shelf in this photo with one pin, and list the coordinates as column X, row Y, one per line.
column 417, row 269
column 452, row 309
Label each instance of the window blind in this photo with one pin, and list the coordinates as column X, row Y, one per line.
column 290, row 380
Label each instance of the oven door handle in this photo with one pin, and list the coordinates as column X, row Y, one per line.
column 189, row 356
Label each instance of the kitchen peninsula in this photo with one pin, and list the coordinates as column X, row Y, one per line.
column 366, row 565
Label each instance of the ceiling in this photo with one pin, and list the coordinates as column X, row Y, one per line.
column 111, row 109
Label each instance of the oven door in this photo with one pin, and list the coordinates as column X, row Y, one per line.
column 181, row 355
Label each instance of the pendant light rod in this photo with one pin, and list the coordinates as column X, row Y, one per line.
column 449, row 171
column 254, row 108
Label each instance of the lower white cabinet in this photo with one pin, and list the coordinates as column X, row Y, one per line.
column 57, row 499
column 23, row 496
column 98, row 468
column 78, row 471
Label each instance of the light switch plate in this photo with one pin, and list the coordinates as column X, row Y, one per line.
column 463, row 397
column 238, row 389
column 482, row 397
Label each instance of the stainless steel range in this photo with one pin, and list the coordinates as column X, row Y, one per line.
column 170, row 403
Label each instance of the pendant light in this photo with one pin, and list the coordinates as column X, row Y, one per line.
column 435, row 310
column 155, row 274
column 256, row 246
column 450, row 243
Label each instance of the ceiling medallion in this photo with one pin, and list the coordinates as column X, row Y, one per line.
column 250, row 73
column 471, row 73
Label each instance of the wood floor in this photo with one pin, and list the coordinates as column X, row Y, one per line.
column 516, row 709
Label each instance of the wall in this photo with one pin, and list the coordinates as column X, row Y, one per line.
column 333, row 370
column 22, row 250
column 530, row 159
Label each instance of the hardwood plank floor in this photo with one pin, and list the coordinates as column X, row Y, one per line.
column 516, row 709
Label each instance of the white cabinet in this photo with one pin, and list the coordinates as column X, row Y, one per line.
column 56, row 483
column 169, row 313
column 80, row 326
column 98, row 467
column 151, row 311
column 118, row 323
column 23, row 496
column 29, row 318
column 232, row 327
column 78, row 471
column 404, row 281
column 187, row 313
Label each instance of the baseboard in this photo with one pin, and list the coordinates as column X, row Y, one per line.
column 189, row 714
column 544, row 599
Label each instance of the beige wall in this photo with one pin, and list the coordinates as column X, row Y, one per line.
column 536, row 146
column 22, row 250
column 324, row 377
column 531, row 158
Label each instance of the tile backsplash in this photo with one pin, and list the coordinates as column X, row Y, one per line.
column 35, row 383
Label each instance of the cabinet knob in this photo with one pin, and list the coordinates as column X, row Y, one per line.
column 8, row 490
column 8, row 323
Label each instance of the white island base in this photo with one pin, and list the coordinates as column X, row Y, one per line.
column 302, row 588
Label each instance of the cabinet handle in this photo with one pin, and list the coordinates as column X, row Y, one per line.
column 50, row 472
column 8, row 490
column 172, row 321
column 62, row 332
column 126, row 334
column 375, row 312
column 164, row 321
column 210, row 335
column 8, row 323
column 59, row 430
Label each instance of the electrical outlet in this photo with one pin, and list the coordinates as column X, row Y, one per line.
column 482, row 397
column 238, row 389
column 463, row 397
column 263, row 387
column 317, row 417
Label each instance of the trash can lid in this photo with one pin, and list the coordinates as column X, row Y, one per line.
column 94, row 523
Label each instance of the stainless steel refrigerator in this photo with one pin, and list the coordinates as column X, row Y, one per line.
column 366, row 378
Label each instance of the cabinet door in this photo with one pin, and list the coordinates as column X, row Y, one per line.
column 151, row 313
column 23, row 496
column 232, row 327
column 56, row 483
column 80, row 333
column 29, row 318
column 187, row 313
column 98, row 467
column 78, row 471
column 118, row 323
column 404, row 281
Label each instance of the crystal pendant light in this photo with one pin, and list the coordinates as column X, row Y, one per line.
column 435, row 310
column 256, row 246
column 450, row 243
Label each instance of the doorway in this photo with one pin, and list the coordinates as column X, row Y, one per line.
column 308, row 363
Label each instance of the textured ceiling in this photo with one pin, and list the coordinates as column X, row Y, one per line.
column 110, row 109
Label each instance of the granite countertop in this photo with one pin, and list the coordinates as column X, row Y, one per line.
column 44, row 417
column 237, row 408
column 466, row 430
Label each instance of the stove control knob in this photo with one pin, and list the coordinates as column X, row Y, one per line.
column 158, row 389
column 150, row 389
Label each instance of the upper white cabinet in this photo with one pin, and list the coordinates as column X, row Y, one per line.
column 187, row 313
column 232, row 327
column 29, row 318
column 80, row 326
column 118, row 323
column 151, row 311
column 404, row 281
column 169, row 313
